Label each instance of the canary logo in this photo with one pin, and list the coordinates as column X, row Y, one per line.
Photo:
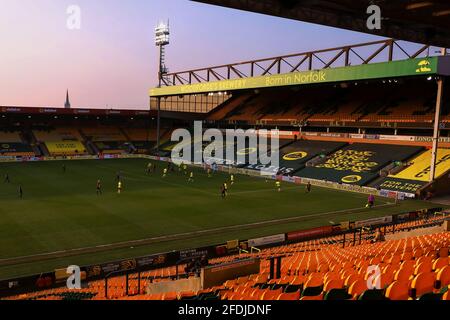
column 293, row 156
column 424, row 66
column 247, row 151
column 160, row 259
column 351, row 179
column 128, row 265
column 5, row 146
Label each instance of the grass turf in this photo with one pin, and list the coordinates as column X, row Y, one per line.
column 61, row 211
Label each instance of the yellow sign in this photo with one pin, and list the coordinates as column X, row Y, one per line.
column 244, row 83
column 420, row 166
column 424, row 66
column 65, row 147
column 399, row 68
column 293, row 156
column 350, row 160
column 351, row 179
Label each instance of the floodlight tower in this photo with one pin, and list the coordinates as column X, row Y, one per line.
column 162, row 37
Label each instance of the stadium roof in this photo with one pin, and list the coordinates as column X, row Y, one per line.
column 421, row 21
column 413, row 67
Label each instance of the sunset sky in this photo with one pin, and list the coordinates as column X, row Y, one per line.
column 112, row 61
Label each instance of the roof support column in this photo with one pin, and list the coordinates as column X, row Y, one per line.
column 437, row 121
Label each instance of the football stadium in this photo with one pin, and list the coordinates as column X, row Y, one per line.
column 180, row 202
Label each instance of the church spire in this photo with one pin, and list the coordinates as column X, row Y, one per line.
column 67, row 104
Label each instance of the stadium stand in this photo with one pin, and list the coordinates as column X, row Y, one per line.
column 330, row 268
column 107, row 139
column 143, row 140
column 61, row 141
column 358, row 163
column 416, row 173
column 371, row 102
column 12, row 145
column 224, row 109
column 103, row 133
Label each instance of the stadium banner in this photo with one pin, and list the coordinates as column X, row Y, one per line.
column 310, row 233
column 65, row 147
column 196, row 253
column 56, row 158
column 288, row 179
column 142, row 263
column 356, row 136
column 151, row 261
column 14, row 147
column 8, row 159
column 430, row 139
column 111, row 267
column 401, row 185
column 419, row 169
column 373, row 222
column 401, row 68
column 295, row 156
column 338, row 186
column 359, row 163
column 396, row 138
column 388, row 193
column 278, row 238
column 372, row 136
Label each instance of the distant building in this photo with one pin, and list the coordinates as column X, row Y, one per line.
column 67, row 104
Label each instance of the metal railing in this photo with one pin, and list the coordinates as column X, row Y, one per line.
column 357, row 54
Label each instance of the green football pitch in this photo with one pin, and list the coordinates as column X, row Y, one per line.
column 62, row 221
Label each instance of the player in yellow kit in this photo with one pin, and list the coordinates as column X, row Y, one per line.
column 191, row 177
column 119, row 187
column 165, row 172
column 232, row 179
column 278, row 185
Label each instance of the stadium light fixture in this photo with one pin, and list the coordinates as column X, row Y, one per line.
column 162, row 34
column 162, row 39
